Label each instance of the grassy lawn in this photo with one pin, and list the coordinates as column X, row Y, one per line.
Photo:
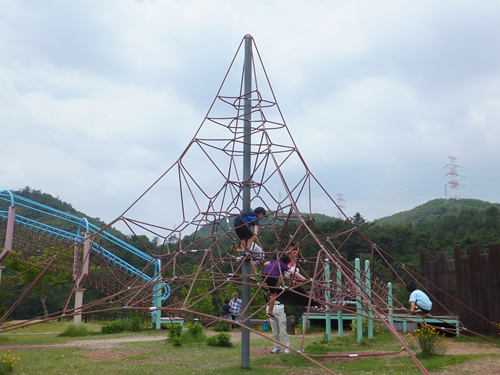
column 198, row 358
column 48, row 327
column 41, row 338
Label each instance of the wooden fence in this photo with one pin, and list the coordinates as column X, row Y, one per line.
column 472, row 279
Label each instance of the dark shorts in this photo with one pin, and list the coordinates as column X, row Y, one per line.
column 242, row 230
column 271, row 283
column 423, row 310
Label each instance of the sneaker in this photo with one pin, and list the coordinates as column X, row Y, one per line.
column 286, row 351
column 275, row 351
column 271, row 316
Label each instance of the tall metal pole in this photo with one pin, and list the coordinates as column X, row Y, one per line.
column 247, row 147
column 247, row 108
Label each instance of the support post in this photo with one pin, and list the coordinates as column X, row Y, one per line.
column 247, row 148
column 389, row 300
column 77, row 319
column 368, row 283
column 340, row 314
column 157, row 293
column 359, row 318
column 9, row 233
column 328, row 318
column 80, row 274
column 1, row 269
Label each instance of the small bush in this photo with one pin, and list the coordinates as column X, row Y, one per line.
column 194, row 333
column 222, row 339
column 132, row 324
column 174, row 334
column 427, row 341
column 175, row 340
column 115, row 326
column 73, row 330
column 221, row 327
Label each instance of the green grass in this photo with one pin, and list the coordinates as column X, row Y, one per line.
column 381, row 342
column 48, row 327
column 74, row 330
column 40, row 339
column 198, row 358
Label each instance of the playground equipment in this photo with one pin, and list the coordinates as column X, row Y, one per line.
column 85, row 262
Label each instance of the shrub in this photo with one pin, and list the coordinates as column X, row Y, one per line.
column 8, row 362
column 73, row 330
column 175, row 340
column 174, row 334
column 427, row 341
column 222, row 339
column 132, row 324
column 115, row 326
column 221, row 327
column 194, row 333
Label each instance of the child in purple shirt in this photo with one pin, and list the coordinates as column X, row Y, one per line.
column 273, row 270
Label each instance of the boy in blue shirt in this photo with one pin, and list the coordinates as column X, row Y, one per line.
column 242, row 224
column 418, row 299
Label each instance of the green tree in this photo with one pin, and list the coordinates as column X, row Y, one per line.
column 492, row 218
column 46, row 284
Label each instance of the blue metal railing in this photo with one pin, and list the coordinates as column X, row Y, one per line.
column 82, row 223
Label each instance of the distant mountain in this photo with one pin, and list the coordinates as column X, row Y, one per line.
column 435, row 208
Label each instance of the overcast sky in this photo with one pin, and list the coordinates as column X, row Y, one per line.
column 99, row 98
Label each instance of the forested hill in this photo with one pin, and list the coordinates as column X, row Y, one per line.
column 437, row 208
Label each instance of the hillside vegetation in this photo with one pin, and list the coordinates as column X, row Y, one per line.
column 437, row 208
